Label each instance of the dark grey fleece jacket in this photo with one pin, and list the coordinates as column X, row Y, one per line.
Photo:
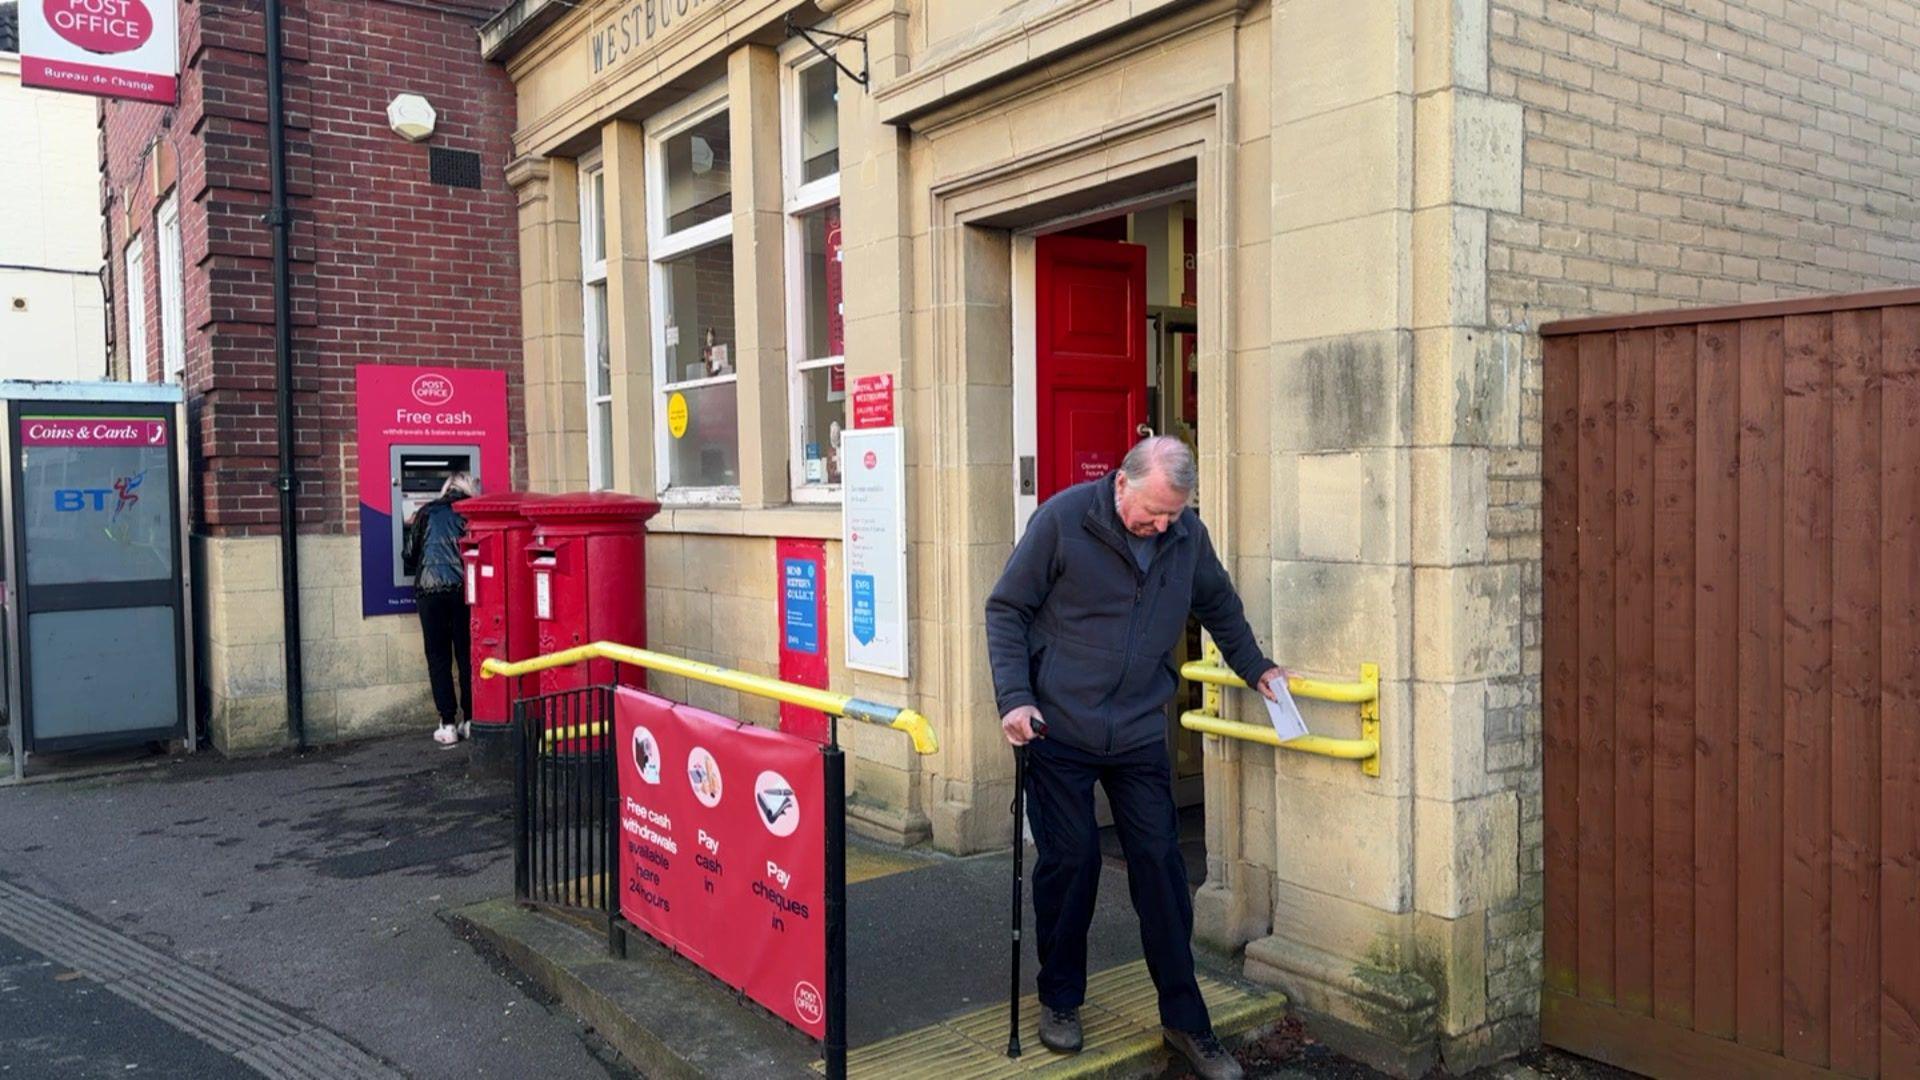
column 1078, row 630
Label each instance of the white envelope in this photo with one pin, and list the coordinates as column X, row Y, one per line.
column 1284, row 714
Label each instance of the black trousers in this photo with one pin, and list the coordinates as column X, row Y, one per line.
column 1066, row 877
column 443, row 625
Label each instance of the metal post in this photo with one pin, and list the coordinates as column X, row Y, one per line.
column 14, row 595
column 1019, row 895
column 520, row 808
column 836, row 823
column 610, row 817
column 279, row 222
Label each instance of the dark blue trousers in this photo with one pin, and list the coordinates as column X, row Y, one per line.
column 1066, row 878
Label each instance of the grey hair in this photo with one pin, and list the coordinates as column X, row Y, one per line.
column 1168, row 455
column 462, row 482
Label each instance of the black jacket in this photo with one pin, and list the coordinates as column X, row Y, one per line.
column 430, row 552
column 1078, row 630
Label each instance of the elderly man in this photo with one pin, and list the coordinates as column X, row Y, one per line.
column 1081, row 630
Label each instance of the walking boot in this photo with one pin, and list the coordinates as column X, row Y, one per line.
column 1209, row 1060
column 1060, row 1030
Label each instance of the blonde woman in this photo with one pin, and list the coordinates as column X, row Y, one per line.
column 431, row 555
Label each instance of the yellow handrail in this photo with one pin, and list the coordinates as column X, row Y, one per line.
column 1213, row 674
column 572, row 732
column 807, row 697
column 1351, row 693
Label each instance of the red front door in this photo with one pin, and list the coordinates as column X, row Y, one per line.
column 1091, row 360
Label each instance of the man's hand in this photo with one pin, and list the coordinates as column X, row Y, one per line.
column 1018, row 724
column 1272, row 681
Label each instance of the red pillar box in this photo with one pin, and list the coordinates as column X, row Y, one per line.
column 499, row 597
column 588, row 564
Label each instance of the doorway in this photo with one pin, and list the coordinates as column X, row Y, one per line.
column 1105, row 340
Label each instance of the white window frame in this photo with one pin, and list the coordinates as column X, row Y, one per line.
column 173, row 312
column 594, row 272
column 663, row 247
column 801, row 198
column 135, row 261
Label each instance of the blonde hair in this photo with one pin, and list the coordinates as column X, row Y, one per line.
column 462, row 482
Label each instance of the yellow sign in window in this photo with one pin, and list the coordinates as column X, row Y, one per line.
column 677, row 415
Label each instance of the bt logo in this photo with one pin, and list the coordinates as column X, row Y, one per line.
column 71, row 500
column 68, row 500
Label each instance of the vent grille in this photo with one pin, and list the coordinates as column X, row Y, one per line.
column 455, row 168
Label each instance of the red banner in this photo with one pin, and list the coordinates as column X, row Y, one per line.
column 723, row 849
column 92, row 431
column 836, row 295
column 98, row 81
column 803, row 622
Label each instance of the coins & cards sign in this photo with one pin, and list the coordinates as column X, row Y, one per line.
column 107, row 48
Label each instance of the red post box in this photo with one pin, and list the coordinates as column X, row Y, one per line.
column 499, row 596
column 588, row 566
column 499, row 589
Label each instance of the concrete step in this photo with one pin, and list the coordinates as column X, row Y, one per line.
column 670, row 1019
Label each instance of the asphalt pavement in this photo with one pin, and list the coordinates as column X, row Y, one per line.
column 208, row 918
column 54, row 1021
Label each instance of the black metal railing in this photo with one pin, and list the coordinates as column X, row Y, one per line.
column 566, row 813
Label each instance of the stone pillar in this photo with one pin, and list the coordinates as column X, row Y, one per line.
column 629, row 306
column 1342, row 110
column 759, row 273
column 969, row 439
column 1470, row 916
column 877, row 252
column 1235, row 905
column 551, row 313
column 1388, row 393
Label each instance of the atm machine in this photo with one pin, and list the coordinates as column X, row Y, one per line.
column 419, row 472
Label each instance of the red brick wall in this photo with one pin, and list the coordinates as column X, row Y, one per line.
column 141, row 149
column 388, row 266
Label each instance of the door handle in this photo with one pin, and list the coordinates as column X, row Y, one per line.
column 1145, row 431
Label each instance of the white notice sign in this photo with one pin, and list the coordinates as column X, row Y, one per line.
column 874, row 484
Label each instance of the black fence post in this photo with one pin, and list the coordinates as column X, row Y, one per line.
column 836, row 824
column 521, row 884
column 610, row 814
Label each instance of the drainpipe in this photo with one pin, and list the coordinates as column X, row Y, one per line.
column 277, row 220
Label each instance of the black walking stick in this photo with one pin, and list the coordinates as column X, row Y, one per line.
column 1039, row 727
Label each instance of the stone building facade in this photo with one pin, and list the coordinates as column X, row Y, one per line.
column 389, row 266
column 1386, row 198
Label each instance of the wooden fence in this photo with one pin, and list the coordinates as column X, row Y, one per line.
column 1731, row 522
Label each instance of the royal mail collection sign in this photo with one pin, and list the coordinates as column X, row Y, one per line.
column 108, row 48
column 874, row 482
column 723, row 849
